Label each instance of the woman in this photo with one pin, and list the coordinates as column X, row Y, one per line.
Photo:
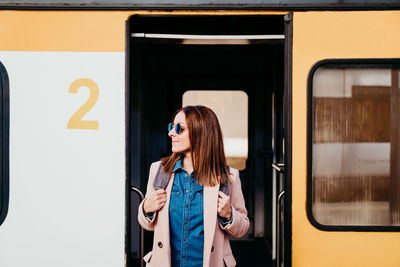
column 192, row 217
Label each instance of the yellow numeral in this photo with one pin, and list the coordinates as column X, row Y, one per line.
column 76, row 121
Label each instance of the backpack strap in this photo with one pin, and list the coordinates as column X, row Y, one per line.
column 162, row 178
column 226, row 188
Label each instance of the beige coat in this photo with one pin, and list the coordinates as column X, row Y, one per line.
column 217, row 250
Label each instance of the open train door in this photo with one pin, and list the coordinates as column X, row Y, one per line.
column 234, row 64
column 346, row 136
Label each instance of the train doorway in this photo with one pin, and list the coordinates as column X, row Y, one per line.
column 233, row 64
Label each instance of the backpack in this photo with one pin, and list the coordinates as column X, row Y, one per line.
column 162, row 178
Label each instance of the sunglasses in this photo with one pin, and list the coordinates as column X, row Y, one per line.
column 178, row 128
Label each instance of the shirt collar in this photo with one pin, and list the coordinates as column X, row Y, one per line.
column 178, row 165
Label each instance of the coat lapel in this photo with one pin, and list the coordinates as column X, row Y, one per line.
column 210, row 201
column 163, row 221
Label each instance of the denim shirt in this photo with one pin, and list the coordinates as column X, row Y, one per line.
column 186, row 220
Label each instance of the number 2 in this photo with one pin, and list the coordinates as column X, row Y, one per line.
column 76, row 121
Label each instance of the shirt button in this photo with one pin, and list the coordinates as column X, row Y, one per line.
column 160, row 245
column 183, row 256
column 212, row 248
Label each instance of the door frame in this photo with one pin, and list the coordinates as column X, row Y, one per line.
column 287, row 122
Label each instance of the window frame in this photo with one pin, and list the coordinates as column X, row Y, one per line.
column 314, row 68
column 5, row 134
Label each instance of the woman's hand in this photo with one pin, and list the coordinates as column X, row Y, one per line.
column 224, row 206
column 155, row 201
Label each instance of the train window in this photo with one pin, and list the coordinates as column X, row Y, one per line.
column 231, row 108
column 355, row 144
column 4, row 135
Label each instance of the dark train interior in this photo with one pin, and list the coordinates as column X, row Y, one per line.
column 161, row 68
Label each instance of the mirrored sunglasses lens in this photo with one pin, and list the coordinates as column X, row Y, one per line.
column 170, row 125
column 178, row 128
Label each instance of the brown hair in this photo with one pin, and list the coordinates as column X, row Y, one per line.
column 206, row 147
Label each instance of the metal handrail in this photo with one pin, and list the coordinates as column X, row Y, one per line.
column 280, row 167
column 141, row 196
column 278, row 223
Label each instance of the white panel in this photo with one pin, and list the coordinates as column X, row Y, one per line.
column 67, row 197
column 366, row 77
column 236, row 147
column 327, row 159
column 351, row 159
column 331, row 82
column 328, row 82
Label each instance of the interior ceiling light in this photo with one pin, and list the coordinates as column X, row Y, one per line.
column 210, row 39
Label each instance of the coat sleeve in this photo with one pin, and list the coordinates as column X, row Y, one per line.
column 144, row 221
column 240, row 223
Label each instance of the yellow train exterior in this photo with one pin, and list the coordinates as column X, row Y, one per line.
column 67, row 181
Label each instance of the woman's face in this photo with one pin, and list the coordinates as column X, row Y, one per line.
column 180, row 142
